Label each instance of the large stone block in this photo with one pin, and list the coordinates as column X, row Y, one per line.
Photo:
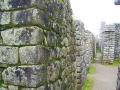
column 33, row 55
column 28, row 16
column 27, row 76
column 11, row 87
column 22, row 36
column 8, row 55
column 4, row 18
column 14, row 4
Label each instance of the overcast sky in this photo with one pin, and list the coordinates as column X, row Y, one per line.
column 92, row 12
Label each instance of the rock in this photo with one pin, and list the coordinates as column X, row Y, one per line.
column 8, row 55
column 27, row 76
column 33, row 55
column 4, row 18
column 22, row 36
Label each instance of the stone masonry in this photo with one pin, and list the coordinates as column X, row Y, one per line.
column 110, row 42
column 36, row 45
column 84, row 53
column 107, row 41
column 39, row 49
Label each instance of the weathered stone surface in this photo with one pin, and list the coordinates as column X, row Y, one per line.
column 53, row 71
column 2, row 88
column 33, row 55
column 8, row 55
column 11, row 87
column 42, row 64
column 4, row 18
column 28, row 76
column 22, row 36
column 28, row 16
column 51, row 39
column 14, row 4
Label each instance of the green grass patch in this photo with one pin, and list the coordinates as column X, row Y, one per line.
column 89, row 82
column 91, row 70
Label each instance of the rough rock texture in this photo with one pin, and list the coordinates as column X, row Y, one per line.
column 85, row 52
column 110, row 42
column 39, row 49
column 37, row 45
column 118, row 79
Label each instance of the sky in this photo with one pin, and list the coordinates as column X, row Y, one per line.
column 93, row 12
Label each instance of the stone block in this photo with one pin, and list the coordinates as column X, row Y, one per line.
column 2, row 88
column 8, row 55
column 51, row 39
column 27, row 76
column 33, row 55
column 11, row 87
column 4, row 18
column 15, row 4
column 29, row 16
column 39, row 88
column 22, row 36
column 53, row 71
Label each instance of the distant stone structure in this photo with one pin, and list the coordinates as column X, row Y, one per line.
column 110, row 42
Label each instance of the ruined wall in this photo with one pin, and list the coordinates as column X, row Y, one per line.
column 118, row 79
column 85, row 52
column 108, row 43
column 36, row 45
column 117, row 41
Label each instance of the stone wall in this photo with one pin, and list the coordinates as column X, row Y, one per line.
column 108, row 43
column 39, row 48
column 36, row 45
column 118, row 79
column 85, row 52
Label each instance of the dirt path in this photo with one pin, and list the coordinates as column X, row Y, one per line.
column 105, row 77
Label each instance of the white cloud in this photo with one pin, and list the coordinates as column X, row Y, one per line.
column 92, row 12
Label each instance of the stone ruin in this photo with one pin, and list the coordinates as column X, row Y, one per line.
column 85, row 52
column 40, row 47
column 110, row 42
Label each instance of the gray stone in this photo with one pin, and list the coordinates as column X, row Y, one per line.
column 28, row 76
column 14, row 4
column 29, row 16
column 11, row 87
column 33, row 55
column 22, row 36
column 53, row 71
column 4, row 18
column 8, row 55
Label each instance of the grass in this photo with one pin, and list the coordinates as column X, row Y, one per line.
column 91, row 70
column 114, row 64
column 89, row 82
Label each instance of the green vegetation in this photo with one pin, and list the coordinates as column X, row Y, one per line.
column 98, row 50
column 89, row 82
column 91, row 70
column 114, row 64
